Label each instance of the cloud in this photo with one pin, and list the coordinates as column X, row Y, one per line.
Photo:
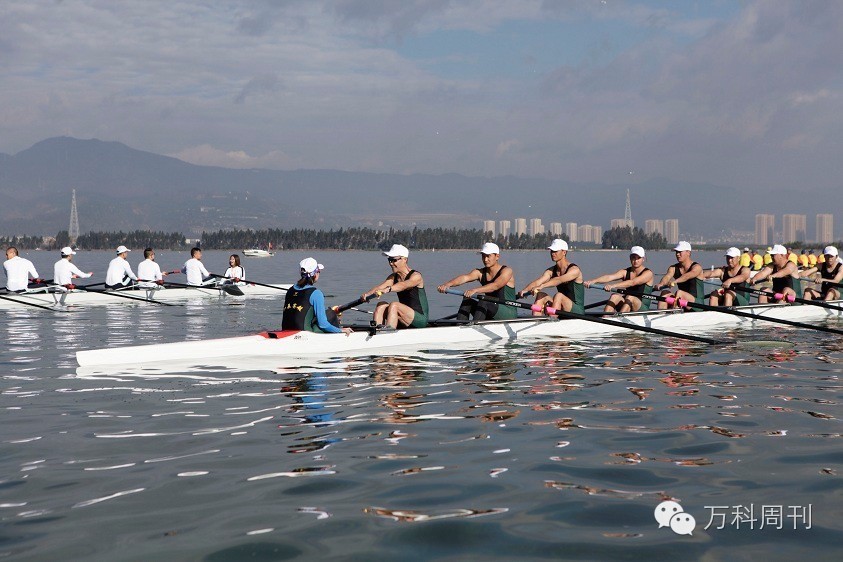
column 207, row 155
column 266, row 83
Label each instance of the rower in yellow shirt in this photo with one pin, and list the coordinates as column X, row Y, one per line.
column 757, row 261
column 768, row 259
column 804, row 263
column 746, row 259
column 812, row 259
column 792, row 257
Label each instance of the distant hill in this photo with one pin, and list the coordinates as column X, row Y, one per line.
column 119, row 187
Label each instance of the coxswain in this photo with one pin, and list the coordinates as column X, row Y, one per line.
column 411, row 310
column 18, row 271
column 496, row 280
column 782, row 272
column 733, row 277
column 65, row 271
column 196, row 273
column 150, row 272
column 636, row 279
column 686, row 275
column 119, row 272
column 235, row 272
column 304, row 305
column 828, row 272
column 565, row 276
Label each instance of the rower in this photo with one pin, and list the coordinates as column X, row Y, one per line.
column 830, row 271
column 235, row 272
column 304, row 305
column 757, row 261
column 636, row 279
column 150, row 272
column 782, row 272
column 733, row 275
column 746, row 258
column 686, row 275
column 18, row 271
column 64, row 271
column 565, row 276
column 411, row 310
column 119, row 272
column 496, row 280
column 196, row 273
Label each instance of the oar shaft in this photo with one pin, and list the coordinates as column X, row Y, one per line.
column 352, row 304
column 122, row 296
column 50, row 308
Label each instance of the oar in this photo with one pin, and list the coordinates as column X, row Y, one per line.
column 723, row 310
column 122, row 296
column 832, row 283
column 573, row 315
column 595, row 304
column 50, row 308
column 343, row 307
column 789, row 298
column 233, row 290
column 250, row 282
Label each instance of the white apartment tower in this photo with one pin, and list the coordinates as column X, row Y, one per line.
column 654, row 226
column 764, row 227
column 489, row 226
column 793, row 228
column 571, row 231
column 520, row 226
column 671, row 231
column 556, row 229
column 504, row 228
column 536, row 227
column 825, row 228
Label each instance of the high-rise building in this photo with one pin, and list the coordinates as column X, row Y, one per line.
column 504, row 228
column 764, row 227
column 621, row 223
column 597, row 234
column 825, row 228
column 556, row 229
column 571, row 231
column 536, row 227
column 671, row 231
column 793, row 228
column 489, row 226
column 584, row 233
column 654, row 226
column 520, row 226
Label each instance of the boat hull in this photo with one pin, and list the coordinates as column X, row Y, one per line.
column 308, row 344
column 258, row 253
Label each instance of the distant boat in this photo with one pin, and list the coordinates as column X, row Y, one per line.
column 258, row 253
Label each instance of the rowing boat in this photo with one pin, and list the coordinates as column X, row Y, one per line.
column 257, row 253
column 58, row 296
column 291, row 344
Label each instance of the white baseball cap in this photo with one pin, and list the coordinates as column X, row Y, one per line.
column 778, row 249
column 490, row 248
column 558, row 244
column 638, row 251
column 745, row 249
column 397, row 251
column 682, row 247
column 733, row 252
column 310, row 266
column 830, row 251
column 67, row 251
column 121, row 249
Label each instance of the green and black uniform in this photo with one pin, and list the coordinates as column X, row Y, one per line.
column 571, row 289
column 829, row 275
column 786, row 282
column 693, row 287
column 638, row 291
column 415, row 298
column 485, row 310
column 741, row 297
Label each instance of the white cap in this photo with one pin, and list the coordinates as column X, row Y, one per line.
column 733, row 252
column 745, row 249
column 310, row 266
column 778, row 249
column 490, row 248
column 830, row 251
column 397, row 251
column 558, row 244
column 682, row 247
column 67, row 251
column 121, row 249
column 638, row 251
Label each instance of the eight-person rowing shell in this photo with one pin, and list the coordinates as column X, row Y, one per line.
column 636, row 280
column 411, row 310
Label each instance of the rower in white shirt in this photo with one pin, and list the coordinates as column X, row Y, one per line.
column 18, row 271
column 196, row 273
column 235, row 272
column 64, row 271
column 119, row 271
column 149, row 272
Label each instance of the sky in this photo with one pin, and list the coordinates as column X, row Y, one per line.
column 741, row 94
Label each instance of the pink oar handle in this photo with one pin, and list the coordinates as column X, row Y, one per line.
column 788, row 298
column 671, row 299
column 550, row 310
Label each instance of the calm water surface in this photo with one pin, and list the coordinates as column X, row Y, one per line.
column 552, row 449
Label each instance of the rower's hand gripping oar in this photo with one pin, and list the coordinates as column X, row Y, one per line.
column 347, row 306
column 573, row 315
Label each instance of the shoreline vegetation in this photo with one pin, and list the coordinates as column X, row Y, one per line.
column 355, row 238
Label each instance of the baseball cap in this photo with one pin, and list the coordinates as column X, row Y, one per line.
column 558, row 244
column 310, row 266
column 397, row 251
column 778, row 249
column 830, row 251
column 682, row 247
column 745, row 249
column 67, row 251
column 637, row 250
column 490, row 248
column 733, row 252
column 121, row 249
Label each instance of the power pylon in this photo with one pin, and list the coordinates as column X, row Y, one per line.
column 627, row 214
column 73, row 231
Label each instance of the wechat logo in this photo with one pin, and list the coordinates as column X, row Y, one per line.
column 670, row 514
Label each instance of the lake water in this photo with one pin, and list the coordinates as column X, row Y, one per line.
column 552, row 449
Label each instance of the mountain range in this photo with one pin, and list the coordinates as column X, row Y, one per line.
column 121, row 188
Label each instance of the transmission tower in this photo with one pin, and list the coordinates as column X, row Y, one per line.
column 73, row 231
column 627, row 214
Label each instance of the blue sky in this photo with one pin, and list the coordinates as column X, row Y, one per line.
column 745, row 94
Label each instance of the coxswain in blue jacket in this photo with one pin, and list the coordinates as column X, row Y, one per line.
column 304, row 305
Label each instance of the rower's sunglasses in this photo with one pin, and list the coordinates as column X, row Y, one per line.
column 392, row 260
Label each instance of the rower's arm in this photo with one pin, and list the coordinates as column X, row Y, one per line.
column 503, row 279
column 609, row 277
column 379, row 288
column 474, row 275
column 666, row 278
column 643, row 279
column 811, row 271
column 535, row 283
column 716, row 273
column 413, row 280
column 570, row 275
column 692, row 273
column 317, row 301
column 786, row 271
column 128, row 269
column 762, row 274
